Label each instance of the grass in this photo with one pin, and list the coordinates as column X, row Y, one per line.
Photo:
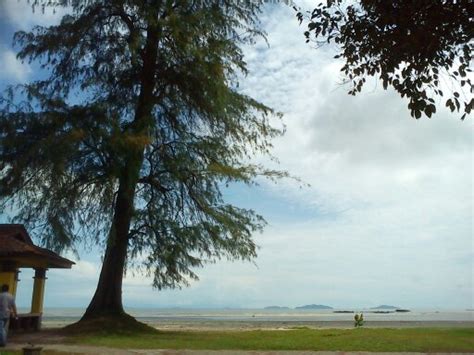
column 364, row 339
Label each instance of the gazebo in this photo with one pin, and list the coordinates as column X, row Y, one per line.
column 18, row 251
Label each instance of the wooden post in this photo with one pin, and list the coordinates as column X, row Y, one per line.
column 15, row 283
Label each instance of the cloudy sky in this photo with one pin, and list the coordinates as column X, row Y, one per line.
column 387, row 217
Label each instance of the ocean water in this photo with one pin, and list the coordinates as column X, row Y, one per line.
column 59, row 316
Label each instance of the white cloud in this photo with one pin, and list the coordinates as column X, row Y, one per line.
column 20, row 14
column 11, row 68
column 399, row 190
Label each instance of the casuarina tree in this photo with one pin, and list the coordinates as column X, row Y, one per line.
column 131, row 133
column 421, row 48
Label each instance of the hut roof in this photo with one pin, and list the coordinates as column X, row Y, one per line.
column 16, row 246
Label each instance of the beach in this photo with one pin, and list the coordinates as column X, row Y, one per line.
column 288, row 325
column 251, row 319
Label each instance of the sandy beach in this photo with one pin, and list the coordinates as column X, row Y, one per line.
column 199, row 325
column 251, row 319
column 286, row 325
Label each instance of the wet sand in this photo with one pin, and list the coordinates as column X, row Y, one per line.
column 199, row 325
column 288, row 325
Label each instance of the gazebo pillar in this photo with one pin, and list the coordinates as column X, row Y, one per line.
column 8, row 275
column 15, row 284
column 38, row 291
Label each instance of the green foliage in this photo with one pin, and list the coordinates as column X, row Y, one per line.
column 364, row 339
column 141, row 102
column 358, row 320
column 416, row 47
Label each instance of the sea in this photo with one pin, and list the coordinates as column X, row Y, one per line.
column 250, row 318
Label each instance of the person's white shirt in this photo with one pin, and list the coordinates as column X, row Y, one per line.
column 7, row 305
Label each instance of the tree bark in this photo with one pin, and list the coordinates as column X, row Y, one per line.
column 107, row 299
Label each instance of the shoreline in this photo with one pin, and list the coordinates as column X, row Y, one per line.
column 209, row 325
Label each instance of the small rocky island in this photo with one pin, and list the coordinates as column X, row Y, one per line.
column 385, row 306
column 314, row 306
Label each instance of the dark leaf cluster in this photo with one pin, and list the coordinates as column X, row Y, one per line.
column 419, row 47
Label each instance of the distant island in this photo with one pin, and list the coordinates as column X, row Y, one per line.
column 276, row 307
column 314, row 306
column 384, row 306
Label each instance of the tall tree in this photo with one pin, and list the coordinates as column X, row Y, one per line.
column 421, row 48
column 130, row 138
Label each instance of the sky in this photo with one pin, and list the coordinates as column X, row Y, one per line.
column 387, row 217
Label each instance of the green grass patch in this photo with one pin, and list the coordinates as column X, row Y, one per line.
column 364, row 339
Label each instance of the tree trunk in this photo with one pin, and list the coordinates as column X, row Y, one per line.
column 107, row 299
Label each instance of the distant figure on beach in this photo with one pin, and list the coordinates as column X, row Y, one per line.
column 7, row 309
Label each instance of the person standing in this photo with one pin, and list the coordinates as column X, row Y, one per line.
column 7, row 309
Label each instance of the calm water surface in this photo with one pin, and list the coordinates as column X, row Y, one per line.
column 67, row 315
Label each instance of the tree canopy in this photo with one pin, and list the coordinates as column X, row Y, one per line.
column 129, row 140
column 421, row 48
